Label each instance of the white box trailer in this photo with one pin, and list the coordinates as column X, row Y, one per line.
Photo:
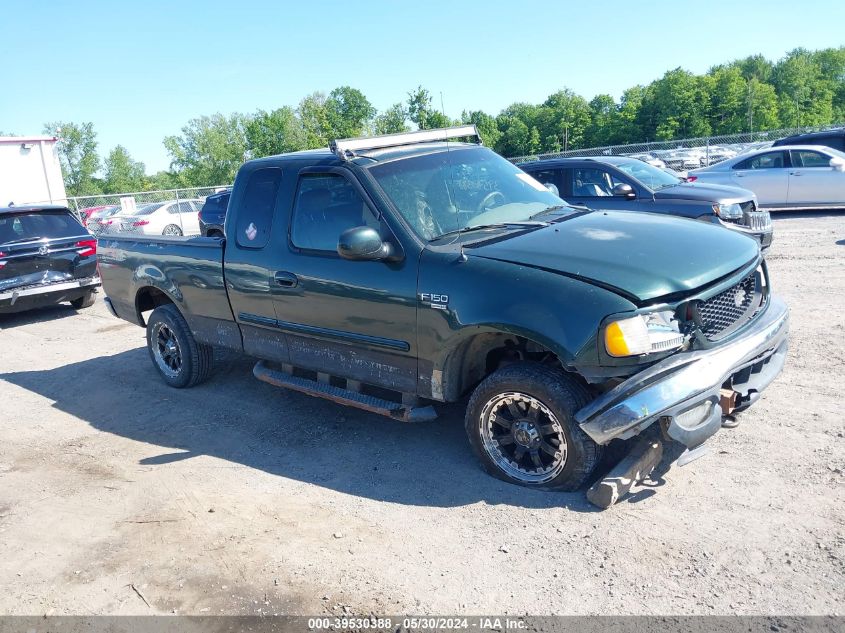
column 30, row 172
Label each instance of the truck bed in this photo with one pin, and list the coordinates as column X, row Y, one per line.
column 189, row 270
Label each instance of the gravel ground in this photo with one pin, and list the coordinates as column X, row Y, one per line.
column 119, row 495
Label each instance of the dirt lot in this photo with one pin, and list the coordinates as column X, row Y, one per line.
column 119, row 495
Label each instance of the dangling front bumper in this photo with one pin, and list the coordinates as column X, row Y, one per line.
column 684, row 389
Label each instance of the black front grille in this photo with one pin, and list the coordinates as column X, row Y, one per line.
column 725, row 312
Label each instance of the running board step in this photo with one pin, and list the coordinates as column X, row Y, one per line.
column 394, row 410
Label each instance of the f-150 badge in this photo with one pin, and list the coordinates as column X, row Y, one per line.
column 437, row 301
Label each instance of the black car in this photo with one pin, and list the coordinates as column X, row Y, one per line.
column 829, row 138
column 46, row 257
column 213, row 214
column 629, row 184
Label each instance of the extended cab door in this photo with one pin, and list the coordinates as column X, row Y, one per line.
column 250, row 260
column 355, row 319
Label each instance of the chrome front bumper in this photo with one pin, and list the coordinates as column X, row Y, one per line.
column 756, row 224
column 680, row 387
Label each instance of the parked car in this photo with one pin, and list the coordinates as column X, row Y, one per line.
column 173, row 217
column 829, row 138
column 46, row 257
column 623, row 183
column 390, row 273
column 99, row 220
column 86, row 213
column 784, row 177
column 650, row 158
column 213, row 214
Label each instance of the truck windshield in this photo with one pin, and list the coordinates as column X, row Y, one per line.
column 444, row 191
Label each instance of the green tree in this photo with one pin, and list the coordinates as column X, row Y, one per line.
column 315, row 120
column 677, row 106
column 77, row 148
column 121, row 173
column 562, row 121
column 730, row 101
column 347, row 113
column 626, row 128
column 803, row 97
column 391, row 121
column 762, row 106
column 518, row 139
column 754, row 67
column 486, row 126
column 602, row 127
column 422, row 112
column 209, row 151
column 276, row 132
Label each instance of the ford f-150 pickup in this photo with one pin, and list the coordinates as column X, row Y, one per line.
column 394, row 273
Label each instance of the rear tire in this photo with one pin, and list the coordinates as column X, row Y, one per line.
column 172, row 230
column 85, row 301
column 179, row 358
column 521, row 425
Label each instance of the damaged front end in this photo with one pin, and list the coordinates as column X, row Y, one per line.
column 689, row 392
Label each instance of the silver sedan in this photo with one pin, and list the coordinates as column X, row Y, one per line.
column 786, row 177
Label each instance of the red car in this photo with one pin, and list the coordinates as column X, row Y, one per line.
column 85, row 213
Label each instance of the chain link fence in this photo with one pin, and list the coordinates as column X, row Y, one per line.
column 165, row 212
column 683, row 154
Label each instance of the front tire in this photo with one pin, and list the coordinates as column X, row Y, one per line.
column 179, row 358
column 85, row 301
column 521, row 425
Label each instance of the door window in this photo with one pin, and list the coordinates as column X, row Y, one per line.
column 255, row 216
column 809, row 158
column 769, row 160
column 326, row 206
column 549, row 178
column 590, row 182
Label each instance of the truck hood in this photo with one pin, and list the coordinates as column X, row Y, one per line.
column 725, row 194
column 642, row 256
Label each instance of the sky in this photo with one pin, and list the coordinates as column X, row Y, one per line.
column 139, row 71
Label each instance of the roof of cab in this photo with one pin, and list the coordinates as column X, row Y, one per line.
column 325, row 156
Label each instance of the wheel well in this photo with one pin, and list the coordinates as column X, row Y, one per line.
column 215, row 233
column 148, row 299
column 479, row 356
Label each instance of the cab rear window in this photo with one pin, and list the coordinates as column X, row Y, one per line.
column 16, row 227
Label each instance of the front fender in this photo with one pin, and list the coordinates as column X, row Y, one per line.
column 485, row 296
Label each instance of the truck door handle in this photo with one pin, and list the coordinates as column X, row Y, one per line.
column 795, row 173
column 285, row 279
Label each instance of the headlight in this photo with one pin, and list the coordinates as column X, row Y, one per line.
column 728, row 211
column 643, row 334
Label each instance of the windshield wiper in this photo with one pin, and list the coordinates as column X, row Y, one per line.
column 496, row 225
column 559, row 207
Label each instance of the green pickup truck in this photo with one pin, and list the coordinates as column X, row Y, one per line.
column 394, row 273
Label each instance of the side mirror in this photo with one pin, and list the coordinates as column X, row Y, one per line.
column 552, row 187
column 363, row 243
column 837, row 163
column 624, row 190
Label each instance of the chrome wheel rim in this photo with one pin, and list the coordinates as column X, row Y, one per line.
column 523, row 437
column 166, row 350
column 172, row 230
